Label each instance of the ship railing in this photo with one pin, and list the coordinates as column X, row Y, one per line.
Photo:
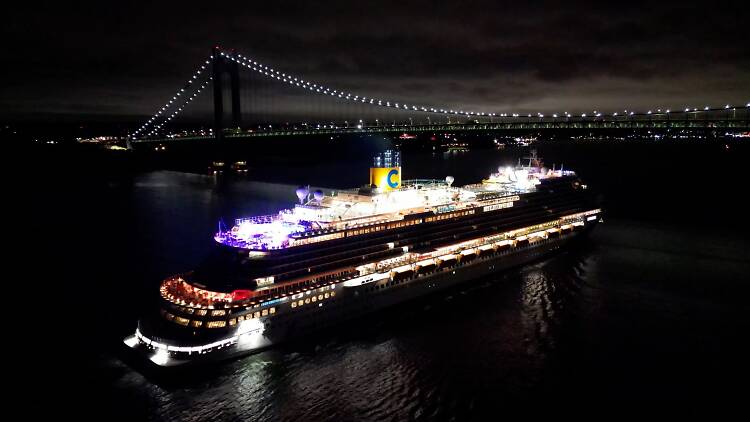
column 423, row 183
column 258, row 219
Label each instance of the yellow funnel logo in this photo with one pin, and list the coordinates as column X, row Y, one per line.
column 386, row 178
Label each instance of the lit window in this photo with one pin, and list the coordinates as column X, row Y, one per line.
column 265, row 312
column 272, row 311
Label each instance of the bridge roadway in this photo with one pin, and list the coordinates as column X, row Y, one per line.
column 738, row 122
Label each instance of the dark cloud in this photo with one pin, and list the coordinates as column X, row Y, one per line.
column 127, row 58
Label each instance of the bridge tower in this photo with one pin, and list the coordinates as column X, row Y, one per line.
column 221, row 65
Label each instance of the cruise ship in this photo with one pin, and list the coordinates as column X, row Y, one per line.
column 341, row 254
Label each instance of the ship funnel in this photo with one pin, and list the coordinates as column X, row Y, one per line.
column 449, row 180
column 385, row 172
column 318, row 195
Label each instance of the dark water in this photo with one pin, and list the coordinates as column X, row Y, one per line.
column 650, row 311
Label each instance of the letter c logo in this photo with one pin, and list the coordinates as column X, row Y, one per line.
column 391, row 183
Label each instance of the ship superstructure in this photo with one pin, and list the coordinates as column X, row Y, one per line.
column 339, row 254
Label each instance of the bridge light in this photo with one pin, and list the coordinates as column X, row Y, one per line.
column 705, row 108
column 726, row 106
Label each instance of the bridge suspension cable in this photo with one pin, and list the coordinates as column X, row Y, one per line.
column 181, row 107
column 323, row 90
column 163, row 111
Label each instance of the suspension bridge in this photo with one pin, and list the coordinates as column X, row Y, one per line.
column 332, row 111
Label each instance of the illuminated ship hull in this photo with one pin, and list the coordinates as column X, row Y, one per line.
column 334, row 258
column 356, row 271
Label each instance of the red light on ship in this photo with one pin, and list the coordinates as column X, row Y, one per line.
column 241, row 295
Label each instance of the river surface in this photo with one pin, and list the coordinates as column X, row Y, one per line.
column 651, row 310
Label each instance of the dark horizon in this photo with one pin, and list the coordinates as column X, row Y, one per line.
column 110, row 64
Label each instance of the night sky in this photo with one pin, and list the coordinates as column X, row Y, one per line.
column 117, row 59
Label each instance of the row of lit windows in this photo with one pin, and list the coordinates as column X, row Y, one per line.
column 322, row 289
column 389, row 226
column 299, row 242
column 365, row 230
column 532, row 228
column 448, row 215
column 503, row 199
column 218, row 324
column 256, row 314
column 199, row 312
column 316, row 280
column 403, row 224
column 497, row 206
column 312, row 299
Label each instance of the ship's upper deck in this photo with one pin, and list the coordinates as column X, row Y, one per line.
column 319, row 213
